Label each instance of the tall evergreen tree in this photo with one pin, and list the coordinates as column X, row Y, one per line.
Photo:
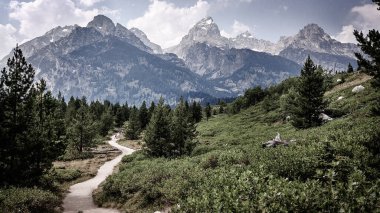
column 195, row 112
column 25, row 153
column 106, row 122
column 133, row 127
column 309, row 101
column 151, row 109
column 208, row 111
column 350, row 69
column 370, row 45
column 82, row 130
column 119, row 117
column 143, row 115
column 157, row 136
column 125, row 108
column 182, row 131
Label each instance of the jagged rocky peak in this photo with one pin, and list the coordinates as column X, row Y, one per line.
column 144, row 38
column 103, row 24
column 246, row 34
column 313, row 31
column 205, row 27
column 138, row 32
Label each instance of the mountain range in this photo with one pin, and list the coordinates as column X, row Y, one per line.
column 108, row 61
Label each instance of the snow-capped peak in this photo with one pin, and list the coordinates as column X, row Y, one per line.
column 246, row 34
column 205, row 21
column 205, row 28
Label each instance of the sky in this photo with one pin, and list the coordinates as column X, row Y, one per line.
column 166, row 21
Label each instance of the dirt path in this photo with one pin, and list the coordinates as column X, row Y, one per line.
column 80, row 195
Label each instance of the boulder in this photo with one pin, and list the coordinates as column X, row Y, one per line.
column 358, row 89
column 325, row 117
column 340, row 98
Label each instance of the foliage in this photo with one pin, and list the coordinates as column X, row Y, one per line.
column 29, row 139
column 308, row 103
column 333, row 167
column 157, row 136
column 182, row 131
column 106, row 122
column 196, row 112
column 65, row 175
column 143, row 115
column 350, row 69
column 133, row 127
column 82, row 130
column 370, row 45
column 27, row 200
column 208, row 111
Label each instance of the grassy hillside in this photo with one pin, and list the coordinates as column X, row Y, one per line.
column 329, row 168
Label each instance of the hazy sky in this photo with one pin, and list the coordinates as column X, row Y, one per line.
column 166, row 21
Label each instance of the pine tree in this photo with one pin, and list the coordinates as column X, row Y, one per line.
column 195, row 111
column 106, row 122
column 208, row 111
column 143, row 115
column 125, row 111
column 182, row 131
column 157, row 137
column 82, row 130
column 151, row 109
column 133, row 127
column 25, row 153
column 119, row 117
column 253, row 96
column 309, row 102
column 350, row 69
column 47, row 132
column 370, row 45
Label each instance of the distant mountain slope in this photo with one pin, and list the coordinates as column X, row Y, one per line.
column 208, row 54
column 312, row 40
column 142, row 36
column 104, row 61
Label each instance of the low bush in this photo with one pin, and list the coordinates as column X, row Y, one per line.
column 27, row 200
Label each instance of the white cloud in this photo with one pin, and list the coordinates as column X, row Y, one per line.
column 365, row 17
column 228, row 3
column 8, row 40
column 346, row 35
column 166, row 24
column 236, row 29
column 89, row 3
column 39, row 16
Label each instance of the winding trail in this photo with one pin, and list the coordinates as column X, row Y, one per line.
column 80, row 196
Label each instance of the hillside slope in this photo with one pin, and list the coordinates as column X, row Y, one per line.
column 329, row 168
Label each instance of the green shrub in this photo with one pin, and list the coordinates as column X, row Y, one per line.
column 27, row 200
column 65, row 175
